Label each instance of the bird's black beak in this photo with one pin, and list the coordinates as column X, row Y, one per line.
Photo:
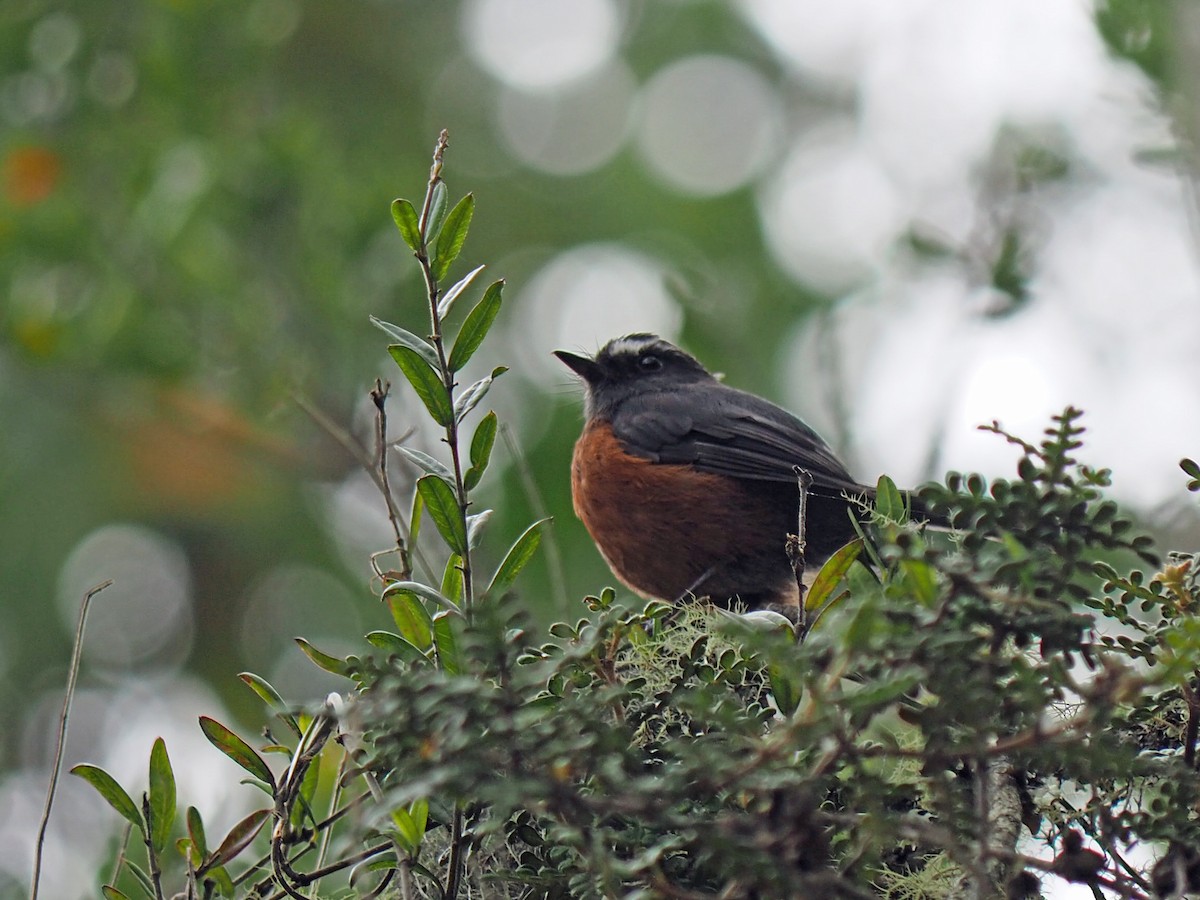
column 583, row 366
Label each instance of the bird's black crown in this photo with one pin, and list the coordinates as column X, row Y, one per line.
column 647, row 356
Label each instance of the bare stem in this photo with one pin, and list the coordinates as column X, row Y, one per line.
column 151, row 853
column 61, row 740
column 379, row 397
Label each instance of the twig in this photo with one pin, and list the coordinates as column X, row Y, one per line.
column 151, row 853
column 61, row 740
column 379, row 397
column 796, row 545
column 367, row 462
column 1193, row 724
column 454, row 866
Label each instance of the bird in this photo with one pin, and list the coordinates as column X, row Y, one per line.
column 689, row 486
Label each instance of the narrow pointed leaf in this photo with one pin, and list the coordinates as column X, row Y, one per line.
column 111, row 893
column 239, row 838
column 426, row 463
column 411, row 617
column 416, row 514
column 520, row 553
column 889, row 502
column 112, row 792
column 237, row 750
column 410, row 824
column 320, row 659
column 405, row 338
column 425, row 382
column 451, row 296
column 405, row 218
column 831, row 574
column 452, row 236
column 422, row 590
column 162, row 796
column 481, row 449
column 195, row 829
column 785, row 687
column 475, row 329
column 446, row 643
column 475, row 526
column 470, row 398
column 437, row 212
column 395, row 644
column 452, row 583
column 272, row 698
column 442, row 507
column 142, row 878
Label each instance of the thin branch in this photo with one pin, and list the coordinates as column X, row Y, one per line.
column 61, row 740
column 379, row 397
column 151, row 853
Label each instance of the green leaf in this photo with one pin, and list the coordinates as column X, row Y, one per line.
column 406, row 220
column 889, row 501
column 322, row 660
column 237, row 750
column 1192, row 470
column 195, row 829
column 421, row 590
column 481, row 449
column 406, row 338
column 111, row 893
column 271, row 697
column 144, row 881
column 446, row 643
column 395, row 644
column 239, row 838
column 410, row 616
column 220, row 877
column 425, row 382
column 785, row 688
column 437, row 212
column 187, row 849
column 449, row 298
column 112, row 792
column 831, row 574
column 410, row 825
column 452, row 236
column 470, row 398
column 520, row 553
column 426, row 463
column 452, row 580
column 414, row 519
column 475, row 329
column 443, row 508
column 162, row 796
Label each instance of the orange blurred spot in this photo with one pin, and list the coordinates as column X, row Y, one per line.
column 31, row 174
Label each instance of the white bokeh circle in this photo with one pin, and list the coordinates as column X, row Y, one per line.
column 707, row 124
column 541, row 44
column 831, row 212
column 573, row 130
column 145, row 616
column 587, row 295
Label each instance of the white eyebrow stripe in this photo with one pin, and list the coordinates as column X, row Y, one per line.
column 630, row 346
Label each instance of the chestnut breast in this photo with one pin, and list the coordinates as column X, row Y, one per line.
column 667, row 530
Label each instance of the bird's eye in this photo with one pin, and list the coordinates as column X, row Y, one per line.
column 649, row 363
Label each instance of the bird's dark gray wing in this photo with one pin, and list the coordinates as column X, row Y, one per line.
column 729, row 432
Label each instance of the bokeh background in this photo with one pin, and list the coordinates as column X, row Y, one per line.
column 899, row 219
